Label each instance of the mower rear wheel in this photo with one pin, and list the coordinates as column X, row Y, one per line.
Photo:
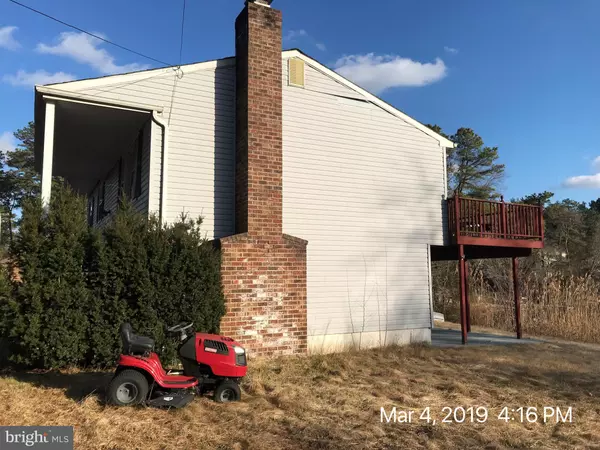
column 227, row 391
column 128, row 388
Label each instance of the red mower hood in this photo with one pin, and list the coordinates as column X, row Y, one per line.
column 216, row 337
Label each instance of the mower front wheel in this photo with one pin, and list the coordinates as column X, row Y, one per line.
column 227, row 391
column 128, row 388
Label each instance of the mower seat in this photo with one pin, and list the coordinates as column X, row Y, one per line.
column 134, row 344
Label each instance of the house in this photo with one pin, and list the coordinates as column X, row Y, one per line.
column 326, row 201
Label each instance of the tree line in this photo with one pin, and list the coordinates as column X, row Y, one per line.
column 572, row 228
column 18, row 181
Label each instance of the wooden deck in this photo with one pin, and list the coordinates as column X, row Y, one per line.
column 489, row 229
column 492, row 223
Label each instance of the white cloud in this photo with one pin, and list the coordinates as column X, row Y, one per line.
column 7, row 40
column 586, row 181
column 378, row 73
column 295, row 35
column 451, row 50
column 583, row 181
column 24, row 78
column 85, row 50
column 7, row 142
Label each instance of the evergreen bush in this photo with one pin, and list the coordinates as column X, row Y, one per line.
column 78, row 284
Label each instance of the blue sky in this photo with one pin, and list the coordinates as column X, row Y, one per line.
column 523, row 74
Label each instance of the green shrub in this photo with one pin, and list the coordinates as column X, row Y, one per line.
column 79, row 284
column 50, row 320
column 7, row 306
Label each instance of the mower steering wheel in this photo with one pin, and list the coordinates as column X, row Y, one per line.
column 180, row 327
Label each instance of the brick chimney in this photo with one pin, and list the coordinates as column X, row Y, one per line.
column 258, row 120
column 263, row 270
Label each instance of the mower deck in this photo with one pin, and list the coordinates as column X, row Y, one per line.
column 172, row 400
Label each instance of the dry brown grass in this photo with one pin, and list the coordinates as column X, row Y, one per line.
column 334, row 401
column 551, row 306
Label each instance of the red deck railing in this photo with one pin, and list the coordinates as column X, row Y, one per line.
column 485, row 222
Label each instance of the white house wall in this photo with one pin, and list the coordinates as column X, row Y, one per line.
column 365, row 189
column 201, row 138
column 363, row 186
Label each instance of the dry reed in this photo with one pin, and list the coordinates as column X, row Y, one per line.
column 552, row 304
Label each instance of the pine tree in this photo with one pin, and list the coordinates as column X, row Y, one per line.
column 471, row 166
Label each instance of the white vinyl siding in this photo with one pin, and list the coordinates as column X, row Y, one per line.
column 201, row 159
column 365, row 189
column 317, row 81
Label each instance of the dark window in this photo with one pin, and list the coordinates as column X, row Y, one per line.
column 120, row 187
column 98, row 208
column 102, row 212
column 138, row 165
column 91, row 210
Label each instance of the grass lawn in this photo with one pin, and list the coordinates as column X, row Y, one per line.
column 334, row 401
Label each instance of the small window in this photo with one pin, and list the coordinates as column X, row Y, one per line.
column 97, row 199
column 102, row 212
column 136, row 174
column 296, row 72
column 120, row 184
column 91, row 209
column 138, row 164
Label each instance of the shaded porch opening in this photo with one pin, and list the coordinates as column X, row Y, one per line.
column 95, row 148
column 463, row 254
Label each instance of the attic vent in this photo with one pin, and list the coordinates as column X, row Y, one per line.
column 296, row 72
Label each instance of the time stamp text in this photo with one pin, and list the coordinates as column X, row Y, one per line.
column 478, row 414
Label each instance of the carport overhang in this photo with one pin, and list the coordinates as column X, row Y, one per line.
column 78, row 137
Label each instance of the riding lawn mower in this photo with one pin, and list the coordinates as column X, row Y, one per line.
column 210, row 363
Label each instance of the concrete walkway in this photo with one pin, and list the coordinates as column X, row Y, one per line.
column 452, row 338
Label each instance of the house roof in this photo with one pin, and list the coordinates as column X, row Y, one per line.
column 294, row 53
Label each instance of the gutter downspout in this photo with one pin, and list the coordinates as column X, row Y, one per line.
column 445, row 162
column 163, row 166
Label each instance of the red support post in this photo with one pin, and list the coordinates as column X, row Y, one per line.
column 517, row 294
column 467, row 301
column 463, row 308
column 541, row 212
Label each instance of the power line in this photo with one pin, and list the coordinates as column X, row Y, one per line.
column 94, row 35
column 179, row 72
column 182, row 28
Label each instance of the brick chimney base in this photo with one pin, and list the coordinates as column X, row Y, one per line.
column 264, row 281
